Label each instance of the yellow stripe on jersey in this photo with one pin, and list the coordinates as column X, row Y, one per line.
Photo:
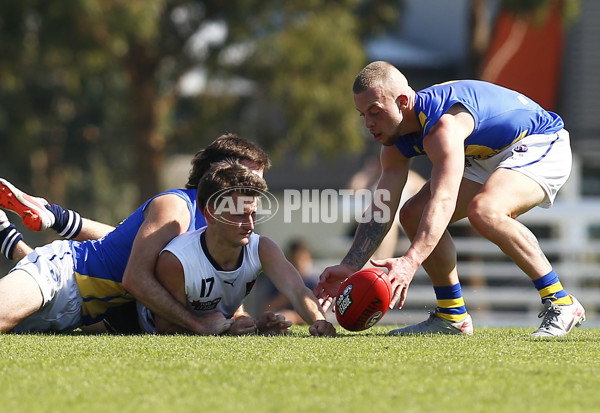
column 480, row 151
column 423, row 120
column 95, row 308
column 485, row 152
column 100, row 295
column 416, row 148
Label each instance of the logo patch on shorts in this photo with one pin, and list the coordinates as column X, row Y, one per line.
column 521, row 148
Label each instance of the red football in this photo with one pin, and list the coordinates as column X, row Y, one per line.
column 363, row 299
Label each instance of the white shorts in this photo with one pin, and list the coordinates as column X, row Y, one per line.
column 546, row 159
column 51, row 266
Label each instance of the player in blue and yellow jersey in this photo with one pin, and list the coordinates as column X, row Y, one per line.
column 495, row 155
column 109, row 272
column 97, row 267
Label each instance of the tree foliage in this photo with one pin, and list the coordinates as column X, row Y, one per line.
column 91, row 96
column 538, row 9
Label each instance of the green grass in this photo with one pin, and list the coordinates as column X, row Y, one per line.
column 497, row 370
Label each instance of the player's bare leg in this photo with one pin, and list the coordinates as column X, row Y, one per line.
column 506, row 195
column 11, row 240
column 20, row 296
column 21, row 250
column 92, row 230
column 441, row 264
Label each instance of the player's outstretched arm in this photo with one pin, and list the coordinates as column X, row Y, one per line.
column 165, row 217
column 444, row 145
column 289, row 282
column 369, row 234
column 329, row 283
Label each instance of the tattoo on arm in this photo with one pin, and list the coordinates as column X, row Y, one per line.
column 366, row 240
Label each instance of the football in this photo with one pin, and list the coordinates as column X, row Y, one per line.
column 363, row 299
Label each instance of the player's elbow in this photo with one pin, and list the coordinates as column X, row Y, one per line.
column 129, row 283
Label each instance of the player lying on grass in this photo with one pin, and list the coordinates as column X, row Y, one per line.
column 125, row 259
column 495, row 155
column 212, row 269
column 44, row 293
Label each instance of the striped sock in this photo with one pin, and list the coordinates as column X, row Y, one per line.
column 451, row 304
column 68, row 222
column 550, row 288
column 9, row 238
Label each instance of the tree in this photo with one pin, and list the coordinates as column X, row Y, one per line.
column 91, row 90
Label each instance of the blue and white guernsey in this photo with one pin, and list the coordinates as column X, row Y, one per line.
column 207, row 288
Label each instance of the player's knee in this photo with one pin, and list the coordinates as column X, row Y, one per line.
column 409, row 217
column 482, row 215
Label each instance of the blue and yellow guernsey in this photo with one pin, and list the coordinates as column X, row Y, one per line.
column 99, row 264
column 502, row 117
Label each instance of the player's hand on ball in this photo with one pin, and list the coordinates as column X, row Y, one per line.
column 329, row 283
column 271, row 324
column 400, row 274
column 322, row 328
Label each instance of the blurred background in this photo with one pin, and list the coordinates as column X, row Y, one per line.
column 104, row 102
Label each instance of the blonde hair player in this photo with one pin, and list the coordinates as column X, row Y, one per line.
column 496, row 154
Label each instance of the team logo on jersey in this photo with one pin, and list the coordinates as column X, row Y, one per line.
column 521, row 148
column 206, row 305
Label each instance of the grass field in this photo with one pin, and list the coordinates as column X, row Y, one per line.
column 496, row 370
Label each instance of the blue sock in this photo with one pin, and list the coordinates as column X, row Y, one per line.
column 550, row 288
column 67, row 222
column 451, row 304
